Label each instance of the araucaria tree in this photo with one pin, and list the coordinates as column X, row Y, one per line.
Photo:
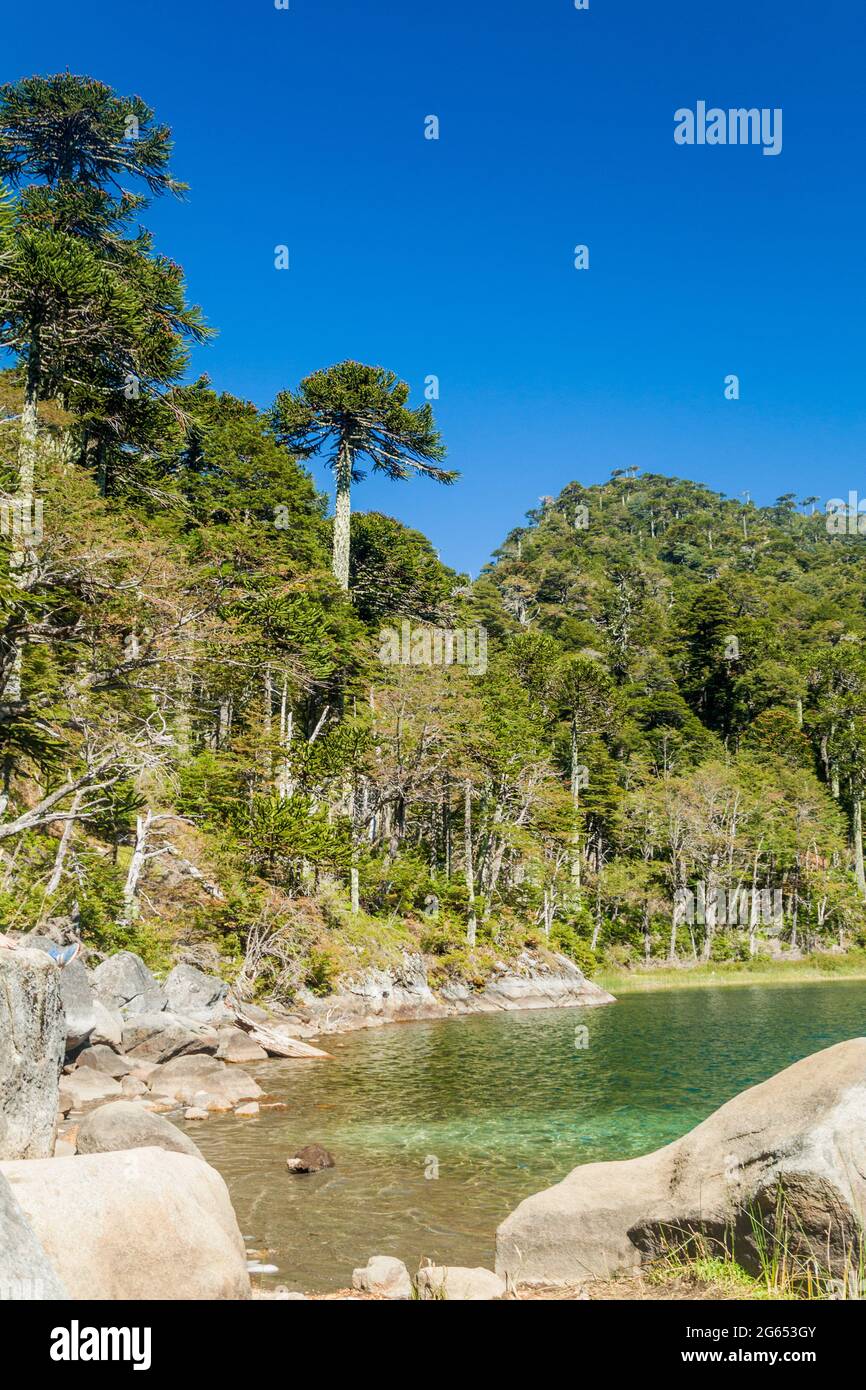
column 353, row 411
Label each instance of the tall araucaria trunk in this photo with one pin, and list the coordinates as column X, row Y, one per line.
column 342, row 516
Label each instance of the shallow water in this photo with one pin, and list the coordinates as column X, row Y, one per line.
column 440, row 1129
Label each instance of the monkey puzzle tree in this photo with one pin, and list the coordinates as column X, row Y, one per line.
column 89, row 310
column 354, row 411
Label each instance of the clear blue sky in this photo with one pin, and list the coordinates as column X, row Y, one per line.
column 455, row 257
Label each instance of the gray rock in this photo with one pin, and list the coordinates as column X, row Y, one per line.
column 187, row 1077
column 159, row 1037
column 32, row 1046
column 455, row 1283
column 536, row 985
column 238, row 1047
column 798, row 1139
column 385, row 1276
column 125, row 981
column 86, row 1087
column 78, row 1004
column 310, row 1159
column 194, row 994
column 131, row 1087
column 104, row 1059
column 135, row 1224
column 25, row 1270
column 108, row 1025
column 125, row 1125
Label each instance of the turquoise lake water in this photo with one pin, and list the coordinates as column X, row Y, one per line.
column 440, row 1129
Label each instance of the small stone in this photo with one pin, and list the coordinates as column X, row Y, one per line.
column 249, row 1110
column 194, row 1113
column 131, row 1086
column 310, row 1159
column 212, row 1105
column 385, row 1276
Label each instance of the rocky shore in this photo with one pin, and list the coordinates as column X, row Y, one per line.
column 402, row 994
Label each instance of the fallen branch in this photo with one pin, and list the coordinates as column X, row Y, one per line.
column 276, row 1042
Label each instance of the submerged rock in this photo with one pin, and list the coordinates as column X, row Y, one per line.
column 310, row 1159
column 32, row 1046
column 784, row 1158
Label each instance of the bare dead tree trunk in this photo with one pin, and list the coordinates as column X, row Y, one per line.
column 63, row 846
column 136, row 865
column 471, row 925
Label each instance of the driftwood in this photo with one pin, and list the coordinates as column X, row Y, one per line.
column 274, row 1040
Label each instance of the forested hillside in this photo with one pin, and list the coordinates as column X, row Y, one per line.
column 218, row 736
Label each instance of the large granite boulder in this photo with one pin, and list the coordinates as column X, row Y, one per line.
column 32, row 1046
column 124, row 982
column 78, row 1004
column 25, row 1270
column 105, row 1059
column 122, row 1124
column 159, row 1037
column 193, row 994
column 782, row 1164
column 138, row 1224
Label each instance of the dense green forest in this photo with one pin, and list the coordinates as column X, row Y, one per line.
column 212, row 739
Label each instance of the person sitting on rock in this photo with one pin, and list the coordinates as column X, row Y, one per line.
column 61, row 955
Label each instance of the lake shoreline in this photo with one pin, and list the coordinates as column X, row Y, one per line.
column 650, row 979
